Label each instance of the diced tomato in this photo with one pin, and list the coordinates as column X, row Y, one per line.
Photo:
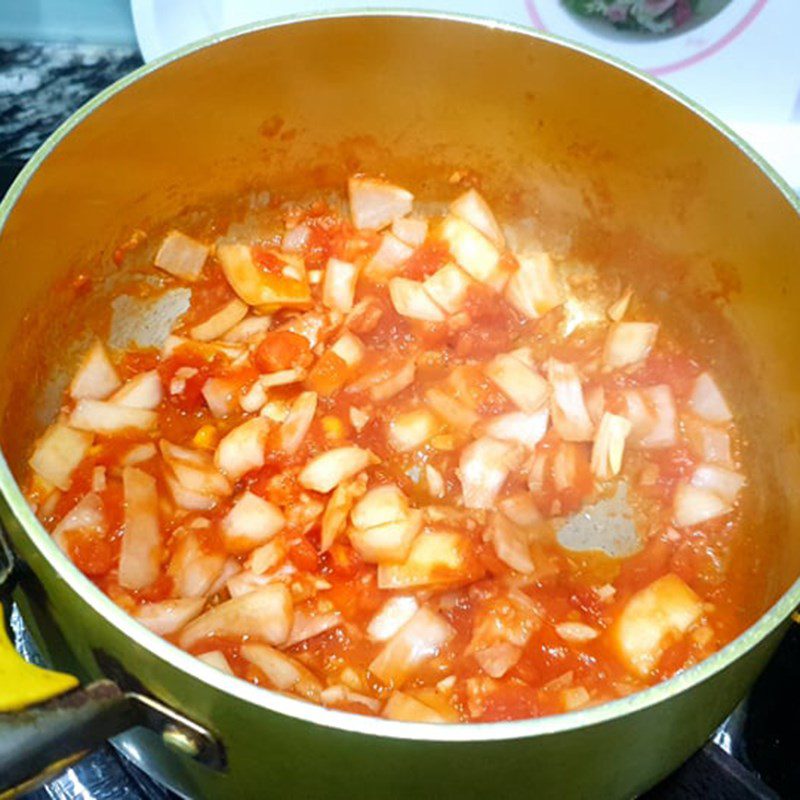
column 304, row 555
column 267, row 259
column 91, row 553
column 283, row 350
column 425, row 260
column 328, row 375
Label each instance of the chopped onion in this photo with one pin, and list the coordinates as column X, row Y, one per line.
column 192, row 568
column 455, row 413
column 719, row 480
column 267, row 557
column 376, row 203
column 511, row 544
column 524, row 429
column 388, row 259
column 341, row 695
column 483, row 468
column 265, row 614
column 391, row 616
column 418, row 641
column 694, row 505
column 571, row 418
column 169, row 616
column 522, row 385
column 100, row 416
column 242, row 449
column 181, row 256
column 497, row 659
column 437, row 557
column 296, row 239
column 472, row 208
column 295, row 427
column 339, row 286
column 710, row 443
column 283, row 377
column 221, row 397
column 220, row 322
column 473, row 252
column 412, row 232
column 194, row 470
column 138, row 454
column 448, row 287
column 307, row 626
column 334, row 519
column 96, row 377
column 384, row 526
column 609, row 446
column 264, row 290
column 58, row 452
column 327, row 470
column 141, row 391
column 435, row 481
column 284, row 673
column 87, row 514
column 409, row 430
column 392, row 382
column 349, row 348
column 576, row 632
column 216, row 659
column 629, row 343
column 254, row 399
column 411, row 300
column 653, row 417
column 405, row 708
column 534, row 289
column 616, row 311
column 521, row 509
column 251, row 330
column 652, row 619
column 707, row 401
column 250, row 522
column 140, row 554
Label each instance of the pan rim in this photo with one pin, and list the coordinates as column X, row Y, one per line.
column 91, row 595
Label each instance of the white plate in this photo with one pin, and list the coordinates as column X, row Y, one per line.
column 743, row 63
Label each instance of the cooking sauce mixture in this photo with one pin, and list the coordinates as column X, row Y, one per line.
column 381, row 464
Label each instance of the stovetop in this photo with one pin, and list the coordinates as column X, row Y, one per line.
column 752, row 756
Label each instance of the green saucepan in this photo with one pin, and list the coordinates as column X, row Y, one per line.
column 596, row 158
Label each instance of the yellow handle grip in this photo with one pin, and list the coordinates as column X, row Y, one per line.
column 23, row 684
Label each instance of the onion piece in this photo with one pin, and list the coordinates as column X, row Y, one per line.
column 724, row 482
column 349, row 348
column 652, row 619
column 327, row 470
column 220, row 322
column 522, row 385
column 251, row 330
column 169, row 616
column 571, row 418
column 242, row 449
column 194, row 470
column 391, row 616
column 710, row 443
column 410, row 299
column 499, row 658
column 140, row 553
column 100, row 416
column 576, row 632
column 653, row 417
column 96, row 377
column 405, row 708
column 474, row 253
column 388, row 259
column 216, row 659
column 707, row 402
column 254, row 398
column 456, row 414
column 58, row 453
column 436, row 558
column 334, row 518
column 389, row 541
column 616, row 311
column 629, row 343
column 392, row 381
column 138, row 454
column 181, row 256
column 341, row 695
column 295, row 427
column 435, row 481
column 448, row 287
column 221, row 396
column 267, row 557
column 141, row 391
column 534, row 289
column 307, row 626
column 483, row 468
column 412, row 232
column 511, row 544
column 472, row 208
column 376, row 203
column 410, row 429
column 283, row 377
column 609, row 446
column 265, row 614
column 339, row 286
column 284, row 673
column 418, row 641
column 521, row 509
column 87, row 514
column 192, row 568
column 694, row 505
column 266, row 291
column 251, row 521
column 524, row 429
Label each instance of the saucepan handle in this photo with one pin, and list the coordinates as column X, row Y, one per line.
column 48, row 722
